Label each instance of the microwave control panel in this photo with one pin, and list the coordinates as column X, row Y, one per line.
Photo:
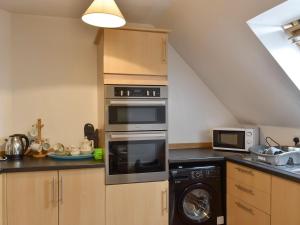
column 136, row 92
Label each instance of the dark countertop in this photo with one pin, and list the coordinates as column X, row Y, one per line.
column 207, row 155
column 31, row 164
column 280, row 171
column 197, row 155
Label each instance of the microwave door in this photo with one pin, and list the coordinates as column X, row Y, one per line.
column 229, row 139
column 136, row 115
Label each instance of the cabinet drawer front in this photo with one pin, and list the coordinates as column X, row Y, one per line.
column 251, row 177
column 249, row 194
column 240, row 213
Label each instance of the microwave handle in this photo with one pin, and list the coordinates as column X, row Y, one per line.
column 125, row 136
column 137, row 103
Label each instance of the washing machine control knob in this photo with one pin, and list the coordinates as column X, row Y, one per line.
column 197, row 174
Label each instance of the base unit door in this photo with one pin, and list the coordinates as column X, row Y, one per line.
column 82, row 197
column 240, row 213
column 32, row 198
column 2, row 199
column 285, row 209
column 137, row 204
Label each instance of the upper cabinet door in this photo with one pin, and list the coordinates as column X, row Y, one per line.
column 135, row 52
column 32, row 198
column 82, row 197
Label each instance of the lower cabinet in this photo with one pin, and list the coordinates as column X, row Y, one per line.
column 285, row 202
column 256, row 198
column 31, row 198
column 82, row 197
column 137, row 204
column 2, row 199
column 74, row 197
column 241, row 213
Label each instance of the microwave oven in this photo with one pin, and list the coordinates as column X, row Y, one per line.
column 136, row 108
column 235, row 139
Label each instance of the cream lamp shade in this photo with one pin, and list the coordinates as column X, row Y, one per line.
column 104, row 13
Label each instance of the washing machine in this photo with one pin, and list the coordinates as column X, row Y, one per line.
column 197, row 195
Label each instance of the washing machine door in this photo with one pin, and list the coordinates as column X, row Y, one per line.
column 196, row 204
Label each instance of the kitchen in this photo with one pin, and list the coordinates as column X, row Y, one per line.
column 49, row 70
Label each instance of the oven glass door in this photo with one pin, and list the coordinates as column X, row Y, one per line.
column 137, row 153
column 229, row 139
column 136, row 114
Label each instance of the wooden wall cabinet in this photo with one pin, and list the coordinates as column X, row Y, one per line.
column 285, row 202
column 136, row 204
column 133, row 56
column 74, row 197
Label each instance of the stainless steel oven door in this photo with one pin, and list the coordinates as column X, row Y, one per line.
column 136, row 157
column 135, row 114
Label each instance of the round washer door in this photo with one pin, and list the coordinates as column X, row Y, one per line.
column 195, row 205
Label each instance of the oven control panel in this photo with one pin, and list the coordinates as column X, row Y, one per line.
column 137, row 92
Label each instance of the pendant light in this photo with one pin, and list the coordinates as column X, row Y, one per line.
column 104, row 13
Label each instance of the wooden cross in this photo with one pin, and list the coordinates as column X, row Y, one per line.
column 39, row 127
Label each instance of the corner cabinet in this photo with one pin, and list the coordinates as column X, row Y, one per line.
column 133, row 56
column 254, row 197
column 56, row 197
column 136, row 204
column 285, row 202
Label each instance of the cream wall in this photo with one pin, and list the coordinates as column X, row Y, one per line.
column 283, row 135
column 54, row 76
column 5, row 74
column 193, row 108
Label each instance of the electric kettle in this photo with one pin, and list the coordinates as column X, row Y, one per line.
column 16, row 146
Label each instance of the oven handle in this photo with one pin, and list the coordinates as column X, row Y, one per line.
column 125, row 136
column 137, row 103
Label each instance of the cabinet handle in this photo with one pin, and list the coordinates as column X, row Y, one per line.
column 61, row 189
column 249, row 172
column 164, row 197
column 164, row 50
column 246, row 190
column 246, row 209
column 53, row 190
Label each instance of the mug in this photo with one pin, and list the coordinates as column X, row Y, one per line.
column 46, row 146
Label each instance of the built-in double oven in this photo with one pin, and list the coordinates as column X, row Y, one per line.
column 136, row 134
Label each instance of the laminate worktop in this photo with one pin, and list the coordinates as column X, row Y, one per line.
column 208, row 155
column 32, row 164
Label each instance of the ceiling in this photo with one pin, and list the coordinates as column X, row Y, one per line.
column 214, row 39
column 141, row 11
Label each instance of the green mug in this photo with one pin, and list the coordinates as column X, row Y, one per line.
column 98, row 153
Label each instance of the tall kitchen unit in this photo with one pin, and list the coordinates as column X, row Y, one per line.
column 133, row 102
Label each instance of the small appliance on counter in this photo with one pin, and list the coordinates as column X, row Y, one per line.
column 92, row 134
column 235, row 139
column 16, row 146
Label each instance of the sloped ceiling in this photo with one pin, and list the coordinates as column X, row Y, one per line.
column 213, row 38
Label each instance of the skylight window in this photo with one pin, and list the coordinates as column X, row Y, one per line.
column 280, row 36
